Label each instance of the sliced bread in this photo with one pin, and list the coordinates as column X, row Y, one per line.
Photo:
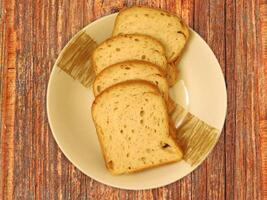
column 128, row 47
column 132, row 124
column 163, row 26
column 131, row 70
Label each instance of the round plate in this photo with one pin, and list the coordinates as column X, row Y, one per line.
column 201, row 88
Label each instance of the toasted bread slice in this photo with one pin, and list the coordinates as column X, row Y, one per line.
column 132, row 123
column 128, row 47
column 163, row 26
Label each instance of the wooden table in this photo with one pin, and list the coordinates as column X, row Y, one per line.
column 32, row 33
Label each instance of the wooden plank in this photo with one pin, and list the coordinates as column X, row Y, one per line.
column 2, row 72
column 2, row 31
column 262, row 88
column 230, row 72
column 253, row 176
column 8, row 74
column 247, row 177
column 262, row 34
column 7, row 139
column 263, row 129
column 216, row 161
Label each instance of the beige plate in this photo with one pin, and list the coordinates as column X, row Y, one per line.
column 201, row 89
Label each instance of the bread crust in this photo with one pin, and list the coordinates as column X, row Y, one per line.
column 172, row 74
column 149, row 167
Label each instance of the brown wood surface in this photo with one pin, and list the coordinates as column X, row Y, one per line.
column 32, row 33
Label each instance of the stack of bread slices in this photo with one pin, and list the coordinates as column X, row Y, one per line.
column 134, row 70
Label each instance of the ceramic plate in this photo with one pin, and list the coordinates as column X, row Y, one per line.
column 201, row 88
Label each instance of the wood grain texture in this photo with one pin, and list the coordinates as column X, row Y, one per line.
column 32, row 33
column 262, row 85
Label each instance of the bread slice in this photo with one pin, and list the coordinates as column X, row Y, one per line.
column 132, row 124
column 165, row 27
column 128, row 47
column 131, row 70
